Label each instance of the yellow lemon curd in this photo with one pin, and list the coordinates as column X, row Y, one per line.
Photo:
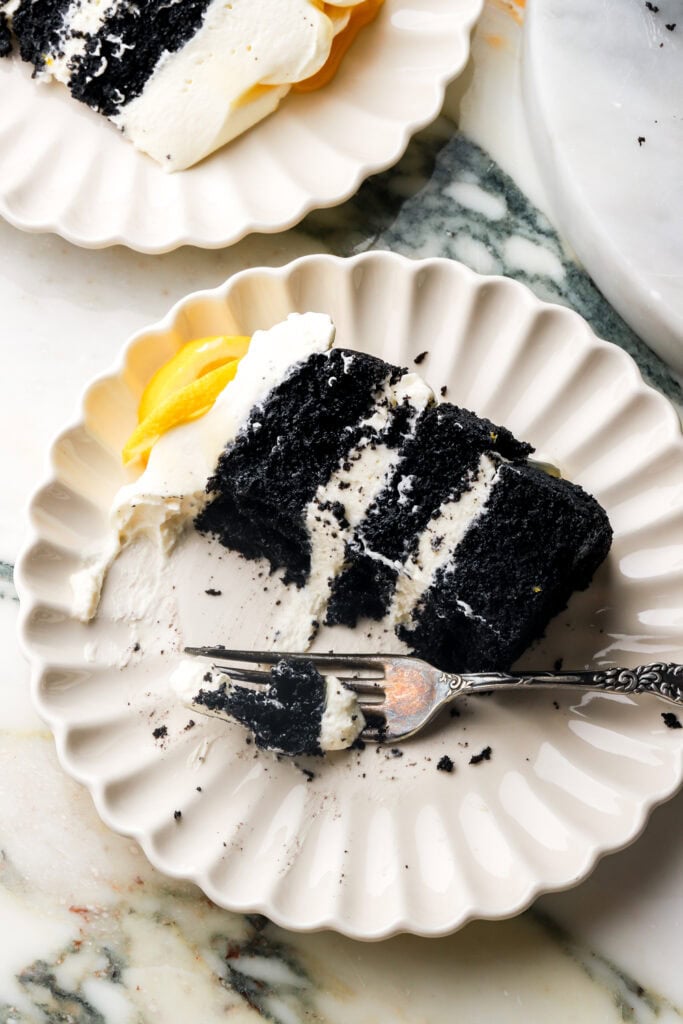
column 183, row 389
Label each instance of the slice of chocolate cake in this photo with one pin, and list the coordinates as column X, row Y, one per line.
column 350, row 479
column 179, row 79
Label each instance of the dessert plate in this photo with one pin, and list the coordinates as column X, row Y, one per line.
column 370, row 842
column 64, row 168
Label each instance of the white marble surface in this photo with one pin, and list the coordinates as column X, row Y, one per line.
column 603, row 85
column 90, row 934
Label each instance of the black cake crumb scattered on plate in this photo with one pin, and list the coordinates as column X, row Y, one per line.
column 445, row 764
column 160, row 732
column 483, row 755
column 670, row 720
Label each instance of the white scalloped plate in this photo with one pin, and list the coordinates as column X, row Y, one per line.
column 65, row 169
column 375, row 844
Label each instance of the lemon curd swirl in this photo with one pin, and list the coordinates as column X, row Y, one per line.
column 183, row 389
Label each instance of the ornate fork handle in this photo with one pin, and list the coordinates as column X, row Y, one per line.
column 662, row 680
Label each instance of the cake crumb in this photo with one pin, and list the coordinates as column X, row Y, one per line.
column 443, row 391
column 190, row 725
column 421, row 357
column 160, row 732
column 177, row 815
column 484, row 755
column 445, row 764
column 670, row 720
column 641, row 140
column 212, row 592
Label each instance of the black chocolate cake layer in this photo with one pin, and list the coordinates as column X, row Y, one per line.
column 539, row 540
column 266, row 478
column 286, row 716
column 5, row 37
column 439, row 460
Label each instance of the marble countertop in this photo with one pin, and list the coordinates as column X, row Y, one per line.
column 91, row 934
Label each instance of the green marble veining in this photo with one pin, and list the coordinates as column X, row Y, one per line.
column 634, row 1002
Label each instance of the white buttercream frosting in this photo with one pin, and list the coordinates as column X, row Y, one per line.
column 342, row 720
column 232, row 73
column 439, row 539
column 172, row 489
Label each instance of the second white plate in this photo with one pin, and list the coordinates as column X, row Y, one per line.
column 65, row 169
column 376, row 842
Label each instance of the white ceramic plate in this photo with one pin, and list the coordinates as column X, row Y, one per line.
column 64, row 168
column 375, row 844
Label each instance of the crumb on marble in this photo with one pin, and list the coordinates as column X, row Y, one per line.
column 484, row 755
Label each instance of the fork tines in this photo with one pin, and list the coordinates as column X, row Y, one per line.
column 337, row 664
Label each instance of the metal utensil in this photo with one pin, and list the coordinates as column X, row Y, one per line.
column 400, row 694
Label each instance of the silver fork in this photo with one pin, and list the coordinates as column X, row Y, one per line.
column 400, row 694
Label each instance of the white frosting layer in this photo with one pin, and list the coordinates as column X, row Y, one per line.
column 355, row 483
column 342, row 720
column 438, row 541
column 231, row 74
column 172, row 489
column 189, row 678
